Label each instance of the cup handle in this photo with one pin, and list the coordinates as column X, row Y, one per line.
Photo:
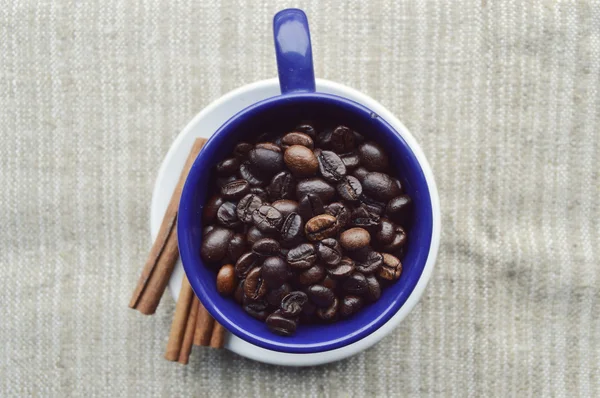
column 293, row 51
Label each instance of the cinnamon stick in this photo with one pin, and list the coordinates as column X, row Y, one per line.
column 188, row 336
column 204, row 326
column 180, row 320
column 164, row 253
column 218, row 336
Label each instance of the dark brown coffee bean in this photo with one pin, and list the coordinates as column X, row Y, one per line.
column 398, row 241
column 385, row 232
column 301, row 161
column 275, row 296
column 266, row 247
column 253, row 176
column 307, row 129
column 330, row 313
column 373, row 157
column 237, row 247
column 311, row 276
column 246, row 263
column 255, row 286
column 343, row 269
column 281, row 325
column 360, row 173
column 310, row 206
column 329, row 282
column 246, row 207
column 267, row 158
column 302, row 256
column 355, row 283
column 222, row 181
column 228, row 167
column 215, row 244
column 227, row 215
column 373, row 206
column 321, row 227
column 254, row 235
column 361, row 217
column 242, row 149
column 261, row 315
column 373, row 288
column 282, row 186
column 349, row 189
column 399, row 209
column 320, row 295
column 286, row 206
column 369, row 263
column 391, row 268
column 340, row 212
column 226, row 280
column 351, row 161
column 293, row 303
column 331, row 166
column 296, row 138
column 324, row 139
column 291, row 229
column 238, row 295
column 209, row 213
column 350, row 305
column 317, row 187
column 380, row 186
column 329, row 251
column 206, row 230
column 274, row 271
column 267, row 219
column 235, row 190
column 261, row 193
column 342, row 139
column 355, row 238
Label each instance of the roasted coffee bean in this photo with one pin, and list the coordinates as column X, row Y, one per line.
column 344, row 269
column 391, row 268
column 267, row 158
column 286, row 206
column 255, row 286
column 373, row 288
column 349, row 189
column 369, row 263
column 331, row 166
column 317, row 187
column 355, row 238
column 274, row 271
column 215, row 244
column 360, row 173
column 261, row 315
column 246, row 263
column 228, row 167
column 292, row 304
column 355, row 283
column 351, row 161
column 399, row 209
column 254, row 235
column 248, row 173
column 385, row 232
column 329, row 282
column 398, row 241
column 320, row 295
column 266, row 247
column 281, row 325
column 321, row 227
column 311, row 276
column 310, row 206
column 373, row 206
column 373, row 157
column 222, row 181
column 282, row 186
column 329, row 251
column 296, row 138
column 209, row 213
column 238, row 295
column 302, row 256
column 226, row 280
column 275, row 296
column 267, row 219
column 361, row 217
column 207, row 229
column 380, row 186
column 342, row 139
column 350, row 305
column 246, row 207
column 398, row 184
column 235, row 190
column 261, row 193
column 237, row 247
column 330, row 313
column 301, row 161
column 307, row 129
column 291, row 229
column 324, row 139
column 227, row 215
column 340, row 212
column 242, row 149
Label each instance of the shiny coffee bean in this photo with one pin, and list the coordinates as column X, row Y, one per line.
column 261, row 315
column 321, row 227
column 399, row 209
column 267, row 219
column 266, row 247
column 385, row 232
column 261, row 193
column 302, row 256
column 355, row 238
column 369, row 263
column 351, row 161
column 282, row 186
column 342, row 139
column 398, row 241
column 275, row 296
column 292, row 304
column 360, row 173
column 250, row 174
column 311, row 276
column 247, row 206
column 330, row 313
column 317, row 187
column 226, row 280
column 242, row 149
column 349, row 189
column 373, row 157
column 320, row 295
column 206, row 230
column 297, row 138
column 380, row 186
column 274, row 271
column 291, row 229
column 355, row 283
column 281, row 325
column 301, row 161
column 307, row 129
column 340, row 212
column 329, row 282
column 228, row 167
column 310, row 206
column 246, row 263
column 227, row 215
column 255, row 286
column 285, row 206
column 254, row 235
column 390, row 269
column 361, row 217
column 329, row 251
column 222, row 181
column 350, row 305
column 237, row 247
column 267, row 158
column 343, row 269
column 331, row 166
column 238, row 295
column 215, row 244
column 373, row 288
column 209, row 213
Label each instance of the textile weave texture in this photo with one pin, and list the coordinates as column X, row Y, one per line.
column 503, row 96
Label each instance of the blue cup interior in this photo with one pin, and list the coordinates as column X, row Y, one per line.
column 280, row 114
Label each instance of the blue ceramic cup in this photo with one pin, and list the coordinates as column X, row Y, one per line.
column 299, row 101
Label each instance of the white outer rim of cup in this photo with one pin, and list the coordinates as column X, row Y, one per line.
column 246, row 349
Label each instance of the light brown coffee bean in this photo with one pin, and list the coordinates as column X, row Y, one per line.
column 355, row 238
column 321, row 227
column 226, row 280
column 301, row 161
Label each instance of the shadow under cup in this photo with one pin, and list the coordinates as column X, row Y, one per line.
column 281, row 114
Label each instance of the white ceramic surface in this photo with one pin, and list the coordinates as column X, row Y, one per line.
column 204, row 125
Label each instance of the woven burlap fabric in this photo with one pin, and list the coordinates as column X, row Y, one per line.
column 503, row 97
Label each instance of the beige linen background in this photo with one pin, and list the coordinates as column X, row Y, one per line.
column 503, row 96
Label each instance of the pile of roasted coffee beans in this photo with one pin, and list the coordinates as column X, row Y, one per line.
column 306, row 226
